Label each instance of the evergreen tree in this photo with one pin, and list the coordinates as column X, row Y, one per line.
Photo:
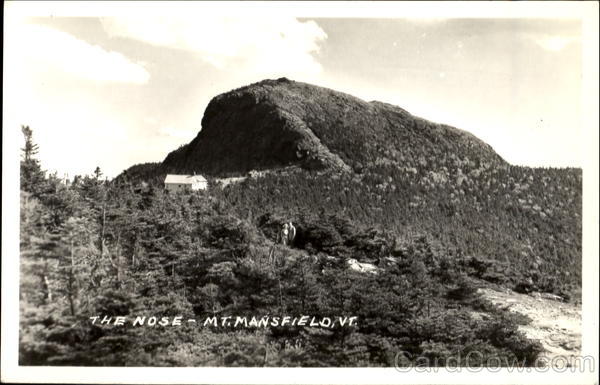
column 97, row 173
column 30, row 149
column 32, row 176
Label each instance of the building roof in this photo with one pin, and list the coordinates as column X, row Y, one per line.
column 184, row 179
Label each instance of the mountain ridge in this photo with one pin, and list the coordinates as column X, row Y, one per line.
column 280, row 123
column 405, row 173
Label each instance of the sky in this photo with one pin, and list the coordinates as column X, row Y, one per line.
column 114, row 91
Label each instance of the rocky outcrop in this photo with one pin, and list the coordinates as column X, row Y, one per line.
column 279, row 123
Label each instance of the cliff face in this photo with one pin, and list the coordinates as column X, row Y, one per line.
column 279, row 123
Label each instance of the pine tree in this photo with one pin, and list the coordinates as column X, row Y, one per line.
column 97, row 173
column 32, row 176
column 30, row 149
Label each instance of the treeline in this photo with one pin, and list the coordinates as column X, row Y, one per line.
column 525, row 221
column 111, row 248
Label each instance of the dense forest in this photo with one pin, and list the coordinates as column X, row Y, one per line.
column 524, row 222
column 126, row 247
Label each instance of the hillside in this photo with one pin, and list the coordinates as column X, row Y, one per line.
column 278, row 123
column 381, row 167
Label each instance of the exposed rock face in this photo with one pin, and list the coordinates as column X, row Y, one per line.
column 279, row 123
column 353, row 264
column 555, row 324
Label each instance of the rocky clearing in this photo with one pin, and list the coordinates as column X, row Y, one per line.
column 557, row 325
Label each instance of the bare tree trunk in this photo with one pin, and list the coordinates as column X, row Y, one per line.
column 116, row 263
column 266, row 355
column 119, row 272
column 133, row 255
column 103, row 227
column 71, row 294
column 26, row 209
column 47, row 288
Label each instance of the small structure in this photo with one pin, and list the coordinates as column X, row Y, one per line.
column 175, row 182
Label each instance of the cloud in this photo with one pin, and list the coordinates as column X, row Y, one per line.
column 51, row 80
column 74, row 136
column 40, row 47
column 554, row 43
column 261, row 46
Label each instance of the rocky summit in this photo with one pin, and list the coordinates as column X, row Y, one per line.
column 280, row 123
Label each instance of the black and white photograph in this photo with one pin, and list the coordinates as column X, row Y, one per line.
column 272, row 192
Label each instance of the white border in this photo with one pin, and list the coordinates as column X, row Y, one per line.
column 587, row 12
column 337, row 9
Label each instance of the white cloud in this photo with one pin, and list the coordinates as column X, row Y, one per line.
column 260, row 46
column 74, row 137
column 40, row 47
column 554, row 43
column 49, row 80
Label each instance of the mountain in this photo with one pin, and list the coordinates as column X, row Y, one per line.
column 278, row 123
column 382, row 168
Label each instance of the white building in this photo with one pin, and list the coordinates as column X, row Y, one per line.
column 185, row 182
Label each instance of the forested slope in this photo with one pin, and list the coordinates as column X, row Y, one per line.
column 101, row 249
column 379, row 166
